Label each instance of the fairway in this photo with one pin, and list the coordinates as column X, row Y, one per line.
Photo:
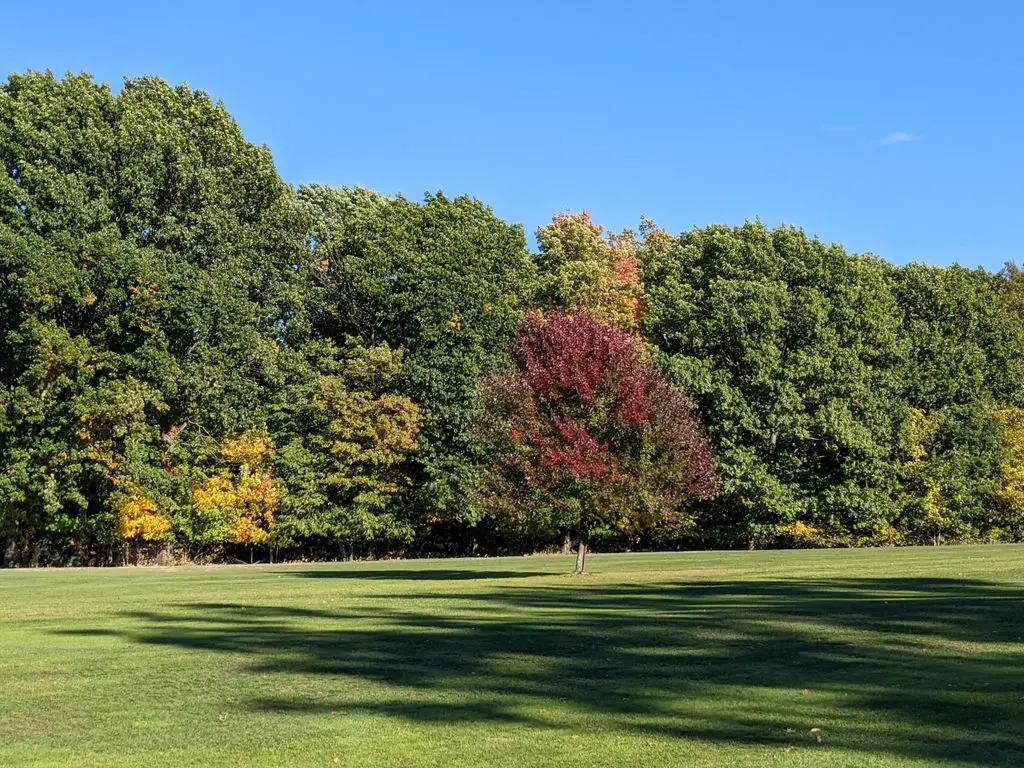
column 804, row 658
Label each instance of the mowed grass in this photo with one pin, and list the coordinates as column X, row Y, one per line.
column 815, row 658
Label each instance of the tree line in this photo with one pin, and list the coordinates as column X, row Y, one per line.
column 196, row 356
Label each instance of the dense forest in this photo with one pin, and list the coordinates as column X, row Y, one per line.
column 200, row 361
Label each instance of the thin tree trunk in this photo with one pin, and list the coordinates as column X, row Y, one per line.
column 567, row 543
column 581, row 557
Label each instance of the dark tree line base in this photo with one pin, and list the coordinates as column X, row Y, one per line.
column 484, row 540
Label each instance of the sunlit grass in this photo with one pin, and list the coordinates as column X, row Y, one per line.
column 847, row 658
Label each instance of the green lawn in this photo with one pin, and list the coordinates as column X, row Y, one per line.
column 889, row 657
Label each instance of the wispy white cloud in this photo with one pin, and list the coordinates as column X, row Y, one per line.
column 897, row 137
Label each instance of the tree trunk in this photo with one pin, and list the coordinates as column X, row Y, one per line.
column 581, row 557
column 9, row 551
column 567, row 543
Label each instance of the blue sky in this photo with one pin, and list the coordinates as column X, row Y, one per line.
column 895, row 127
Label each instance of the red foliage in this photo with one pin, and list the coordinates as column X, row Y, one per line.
column 572, row 450
column 587, row 420
column 567, row 356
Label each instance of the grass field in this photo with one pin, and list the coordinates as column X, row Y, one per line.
column 815, row 658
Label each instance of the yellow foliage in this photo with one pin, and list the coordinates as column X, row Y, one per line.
column 257, row 494
column 801, row 533
column 801, row 530
column 919, row 432
column 247, row 531
column 1010, row 490
column 934, row 503
column 369, row 437
column 247, row 501
column 139, row 518
column 920, row 474
column 249, row 449
column 217, row 492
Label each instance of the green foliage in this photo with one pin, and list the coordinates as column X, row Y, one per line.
column 848, row 399
column 793, row 352
column 163, row 293
column 156, row 301
column 446, row 281
column 965, row 359
column 345, row 455
column 950, row 474
column 965, row 343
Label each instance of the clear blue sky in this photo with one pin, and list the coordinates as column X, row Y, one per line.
column 892, row 127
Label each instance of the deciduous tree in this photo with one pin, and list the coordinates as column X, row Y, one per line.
column 583, row 267
column 585, row 431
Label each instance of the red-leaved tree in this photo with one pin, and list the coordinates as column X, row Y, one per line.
column 585, row 431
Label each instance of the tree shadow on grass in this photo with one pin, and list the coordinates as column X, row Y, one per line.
column 922, row 668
